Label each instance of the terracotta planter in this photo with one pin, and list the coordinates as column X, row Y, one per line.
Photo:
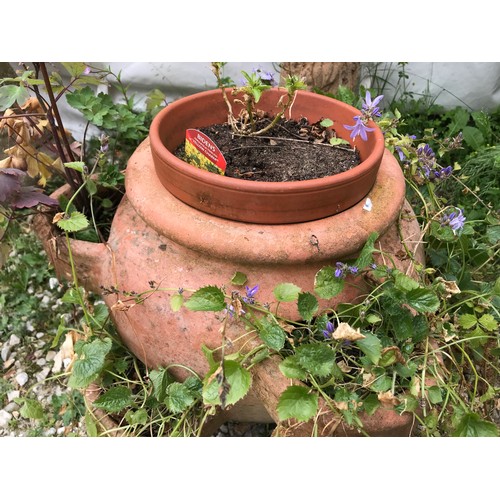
column 157, row 237
column 261, row 202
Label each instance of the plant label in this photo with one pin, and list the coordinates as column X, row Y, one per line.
column 202, row 152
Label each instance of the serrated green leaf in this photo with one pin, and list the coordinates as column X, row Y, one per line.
column 371, row 347
column 176, row 302
column 208, row 298
column 154, row 99
column 326, row 285
column 326, row 122
column 89, row 363
column 114, row 400
column 317, row 359
column 239, row 279
column 488, row 322
column 74, row 222
column 496, row 288
column 179, row 397
column 271, row 333
column 307, row 305
column 238, row 378
column 160, row 379
column 365, row 257
column 467, row 320
column 373, row 319
column 286, row 292
column 493, row 234
column 31, row 408
column 460, row 117
column 291, row 368
column 73, row 296
column 471, row 425
column 422, row 300
column 405, row 283
column 9, row 94
column 298, row 403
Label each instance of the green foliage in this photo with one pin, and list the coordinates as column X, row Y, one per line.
column 297, row 402
column 209, row 298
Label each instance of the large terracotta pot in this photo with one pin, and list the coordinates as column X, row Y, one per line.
column 261, row 202
column 156, row 237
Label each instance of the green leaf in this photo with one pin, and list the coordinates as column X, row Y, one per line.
column 337, row 141
column 371, row 347
column 483, row 123
column 238, row 378
column 271, row 333
column 473, row 137
column 31, row 408
column 434, row 394
column 179, row 397
column 422, row 300
column 291, row 368
column 75, row 165
column 161, row 379
column 154, row 99
column 208, row 298
column 326, row 122
column 496, row 288
column 488, row 322
column 371, row 403
column 493, row 234
column 405, row 283
column 471, row 425
column 467, row 320
column 326, row 285
column 74, row 68
column 139, row 417
column 73, row 296
column 239, row 279
column 90, row 363
column 365, row 257
column 298, row 403
column 74, row 222
column 115, row 399
column 9, row 94
column 460, row 117
column 90, row 425
column 176, row 302
column 307, row 305
column 317, row 359
column 286, row 292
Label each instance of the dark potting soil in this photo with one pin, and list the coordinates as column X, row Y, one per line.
column 290, row 151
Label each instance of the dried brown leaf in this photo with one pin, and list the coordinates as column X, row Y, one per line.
column 345, row 332
column 388, row 398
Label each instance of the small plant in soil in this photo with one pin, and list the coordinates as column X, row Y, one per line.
column 261, row 147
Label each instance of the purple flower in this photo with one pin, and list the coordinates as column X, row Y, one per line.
column 442, row 173
column 399, row 151
column 353, row 269
column 340, row 271
column 327, row 332
column 359, row 128
column 369, row 107
column 455, row 220
column 250, row 297
column 86, row 71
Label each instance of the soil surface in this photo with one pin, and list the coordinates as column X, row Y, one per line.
column 290, row 151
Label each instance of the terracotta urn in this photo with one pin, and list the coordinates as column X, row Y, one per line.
column 261, row 202
column 159, row 241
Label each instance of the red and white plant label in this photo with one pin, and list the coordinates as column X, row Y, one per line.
column 203, row 153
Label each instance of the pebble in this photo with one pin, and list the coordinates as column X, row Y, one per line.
column 53, row 283
column 12, row 407
column 14, row 340
column 39, row 335
column 13, row 395
column 5, row 352
column 50, row 355
column 21, row 378
column 42, row 375
column 5, row 418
